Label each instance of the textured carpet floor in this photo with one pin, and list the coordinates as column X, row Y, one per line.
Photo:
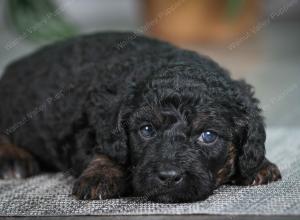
column 49, row 195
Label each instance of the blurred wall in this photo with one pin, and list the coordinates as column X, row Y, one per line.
column 292, row 15
column 95, row 15
column 127, row 14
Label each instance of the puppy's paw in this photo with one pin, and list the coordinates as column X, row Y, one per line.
column 102, row 179
column 16, row 162
column 269, row 172
column 97, row 187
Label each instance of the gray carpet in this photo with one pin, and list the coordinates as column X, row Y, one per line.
column 49, row 195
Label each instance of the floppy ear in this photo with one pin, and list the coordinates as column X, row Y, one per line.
column 251, row 152
column 112, row 137
column 251, row 135
column 116, row 144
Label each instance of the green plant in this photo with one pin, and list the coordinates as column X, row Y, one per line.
column 233, row 8
column 39, row 20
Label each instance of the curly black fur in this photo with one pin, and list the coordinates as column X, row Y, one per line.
column 88, row 96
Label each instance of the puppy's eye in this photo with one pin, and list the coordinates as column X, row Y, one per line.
column 147, row 131
column 208, row 137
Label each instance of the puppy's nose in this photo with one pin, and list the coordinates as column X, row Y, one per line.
column 170, row 176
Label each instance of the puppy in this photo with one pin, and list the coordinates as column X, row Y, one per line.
column 131, row 117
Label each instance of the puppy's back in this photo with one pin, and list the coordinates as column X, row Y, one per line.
column 44, row 96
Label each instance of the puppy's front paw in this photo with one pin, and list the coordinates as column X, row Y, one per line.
column 101, row 180
column 16, row 162
column 96, row 187
column 269, row 172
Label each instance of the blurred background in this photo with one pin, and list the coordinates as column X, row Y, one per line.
column 257, row 40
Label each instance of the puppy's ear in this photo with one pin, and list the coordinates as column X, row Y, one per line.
column 251, row 150
column 116, row 145
column 118, row 141
column 119, row 137
column 250, row 134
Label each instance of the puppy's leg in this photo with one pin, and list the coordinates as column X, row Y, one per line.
column 102, row 179
column 268, row 172
column 15, row 162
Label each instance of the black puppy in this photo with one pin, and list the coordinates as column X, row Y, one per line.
column 131, row 116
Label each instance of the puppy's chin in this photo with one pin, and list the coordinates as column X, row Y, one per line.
column 163, row 198
column 177, row 197
column 183, row 193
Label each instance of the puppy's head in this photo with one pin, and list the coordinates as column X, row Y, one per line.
column 176, row 152
column 186, row 134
